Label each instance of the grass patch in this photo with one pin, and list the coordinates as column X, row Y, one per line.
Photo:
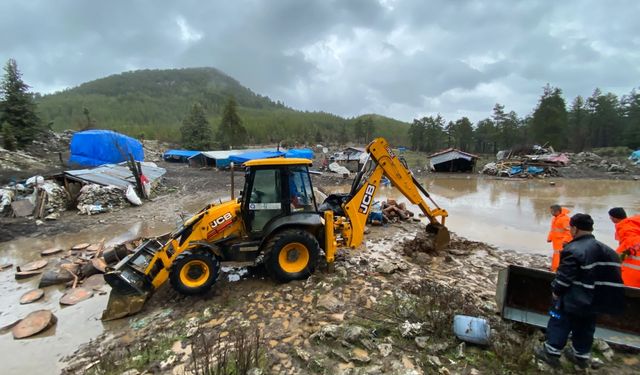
column 212, row 355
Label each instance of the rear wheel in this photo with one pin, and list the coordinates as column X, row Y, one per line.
column 194, row 273
column 292, row 255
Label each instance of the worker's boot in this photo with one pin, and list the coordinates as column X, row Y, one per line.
column 582, row 361
column 543, row 354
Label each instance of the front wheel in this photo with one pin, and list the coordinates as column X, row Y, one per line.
column 194, row 273
column 292, row 255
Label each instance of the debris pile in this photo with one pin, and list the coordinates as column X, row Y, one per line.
column 18, row 161
column 36, row 197
column 96, row 199
column 595, row 161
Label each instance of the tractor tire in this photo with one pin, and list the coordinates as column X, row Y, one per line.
column 194, row 273
column 292, row 255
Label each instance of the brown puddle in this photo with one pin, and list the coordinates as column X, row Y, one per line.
column 513, row 214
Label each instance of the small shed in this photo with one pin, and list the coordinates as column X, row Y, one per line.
column 220, row 159
column 452, row 160
column 349, row 158
column 179, row 156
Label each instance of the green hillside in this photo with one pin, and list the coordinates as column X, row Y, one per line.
column 152, row 103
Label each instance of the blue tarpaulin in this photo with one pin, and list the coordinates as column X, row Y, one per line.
column 179, row 155
column 97, row 147
column 635, row 156
column 251, row 155
column 515, row 170
column 535, row 170
column 303, row 153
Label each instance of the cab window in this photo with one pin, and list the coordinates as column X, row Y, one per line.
column 301, row 196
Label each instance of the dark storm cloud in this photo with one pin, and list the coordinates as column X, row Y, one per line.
column 403, row 59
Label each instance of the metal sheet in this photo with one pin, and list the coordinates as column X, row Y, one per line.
column 114, row 174
column 524, row 295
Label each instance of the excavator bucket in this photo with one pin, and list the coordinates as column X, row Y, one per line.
column 440, row 235
column 130, row 286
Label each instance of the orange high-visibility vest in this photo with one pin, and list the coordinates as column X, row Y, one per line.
column 559, row 235
column 628, row 235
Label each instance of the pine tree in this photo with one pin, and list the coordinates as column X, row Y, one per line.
column 18, row 107
column 549, row 124
column 8, row 139
column 231, row 131
column 196, row 131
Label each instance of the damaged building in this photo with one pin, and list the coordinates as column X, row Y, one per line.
column 452, row 160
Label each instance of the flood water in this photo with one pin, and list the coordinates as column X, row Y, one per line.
column 509, row 214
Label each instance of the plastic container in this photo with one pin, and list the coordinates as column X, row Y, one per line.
column 472, row 329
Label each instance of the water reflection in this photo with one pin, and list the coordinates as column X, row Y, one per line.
column 514, row 213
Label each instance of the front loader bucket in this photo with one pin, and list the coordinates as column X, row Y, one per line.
column 130, row 286
column 440, row 234
column 121, row 305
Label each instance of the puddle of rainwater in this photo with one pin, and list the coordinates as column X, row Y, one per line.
column 514, row 214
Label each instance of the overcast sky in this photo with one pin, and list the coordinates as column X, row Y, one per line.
column 403, row 59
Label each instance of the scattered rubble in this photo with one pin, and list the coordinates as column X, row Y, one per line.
column 95, row 199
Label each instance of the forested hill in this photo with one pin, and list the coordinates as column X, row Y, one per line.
column 153, row 103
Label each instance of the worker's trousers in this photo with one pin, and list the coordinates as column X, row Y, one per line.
column 581, row 328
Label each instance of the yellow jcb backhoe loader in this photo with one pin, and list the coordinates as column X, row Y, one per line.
column 277, row 217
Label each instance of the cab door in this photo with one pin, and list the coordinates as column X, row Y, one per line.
column 263, row 198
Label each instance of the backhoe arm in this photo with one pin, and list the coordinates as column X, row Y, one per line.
column 366, row 186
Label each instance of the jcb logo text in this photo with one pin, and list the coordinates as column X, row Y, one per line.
column 366, row 200
column 221, row 220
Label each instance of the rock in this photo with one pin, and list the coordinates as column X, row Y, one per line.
column 408, row 329
column 434, row 360
column 131, row 372
column 52, row 216
column 600, row 345
column 387, row 267
column 328, row 331
column 385, row 349
column 421, row 341
column 608, row 354
column 422, row 258
column 353, row 334
column 460, row 351
column 360, row 355
column 329, row 302
column 303, row 354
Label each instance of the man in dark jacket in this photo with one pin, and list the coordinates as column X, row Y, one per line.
column 587, row 283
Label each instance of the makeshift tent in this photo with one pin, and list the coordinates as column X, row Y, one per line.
column 302, row 153
column 181, row 156
column 92, row 148
column 239, row 159
column 635, row 156
column 219, row 159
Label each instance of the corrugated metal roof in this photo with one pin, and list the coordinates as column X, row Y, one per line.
column 114, row 174
column 228, row 153
column 451, row 155
column 179, row 153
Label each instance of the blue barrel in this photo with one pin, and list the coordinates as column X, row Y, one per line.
column 472, row 329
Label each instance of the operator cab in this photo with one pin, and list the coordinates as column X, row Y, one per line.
column 275, row 188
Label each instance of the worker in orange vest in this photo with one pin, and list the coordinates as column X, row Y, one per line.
column 559, row 235
column 628, row 236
